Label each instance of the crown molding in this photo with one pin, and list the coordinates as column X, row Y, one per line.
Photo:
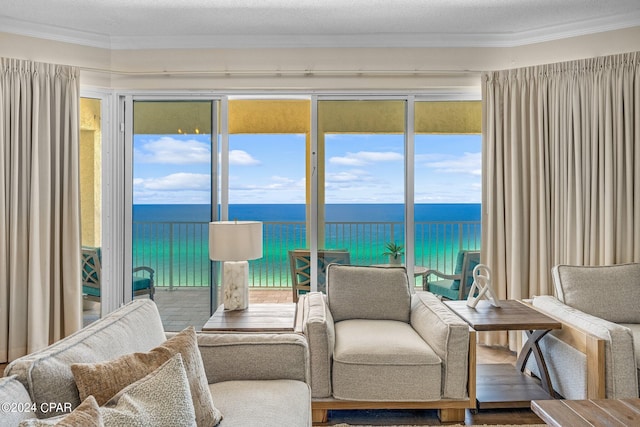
column 375, row 40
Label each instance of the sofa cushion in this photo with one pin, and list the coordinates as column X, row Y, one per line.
column 13, row 393
column 263, row 403
column 104, row 379
column 162, row 398
column 47, row 373
column 383, row 360
column 87, row 414
column 366, row 292
column 608, row 292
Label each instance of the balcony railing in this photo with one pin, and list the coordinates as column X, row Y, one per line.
column 178, row 251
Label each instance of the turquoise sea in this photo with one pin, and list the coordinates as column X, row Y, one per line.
column 173, row 239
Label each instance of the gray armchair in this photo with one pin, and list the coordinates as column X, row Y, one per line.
column 596, row 354
column 375, row 345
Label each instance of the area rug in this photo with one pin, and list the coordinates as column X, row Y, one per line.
column 448, row 425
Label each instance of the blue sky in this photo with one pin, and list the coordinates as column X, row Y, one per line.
column 271, row 169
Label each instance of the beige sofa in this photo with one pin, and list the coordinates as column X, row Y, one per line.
column 373, row 344
column 254, row 379
column 596, row 354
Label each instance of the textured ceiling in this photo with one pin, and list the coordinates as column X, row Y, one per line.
column 128, row 24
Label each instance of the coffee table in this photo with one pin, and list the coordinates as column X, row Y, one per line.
column 503, row 385
column 597, row 413
column 256, row 318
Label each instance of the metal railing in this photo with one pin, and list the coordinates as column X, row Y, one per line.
column 178, row 251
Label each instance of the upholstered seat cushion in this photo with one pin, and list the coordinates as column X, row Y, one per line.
column 383, row 360
column 266, row 403
column 140, row 283
column 445, row 288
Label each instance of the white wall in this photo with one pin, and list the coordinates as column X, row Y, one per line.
column 356, row 68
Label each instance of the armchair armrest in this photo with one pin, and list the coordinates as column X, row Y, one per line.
column 318, row 328
column 448, row 336
column 575, row 354
column 229, row 357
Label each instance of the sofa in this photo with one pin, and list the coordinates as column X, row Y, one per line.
column 596, row 354
column 246, row 379
column 374, row 344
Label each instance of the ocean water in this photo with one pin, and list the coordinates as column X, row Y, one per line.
column 296, row 212
column 173, row 239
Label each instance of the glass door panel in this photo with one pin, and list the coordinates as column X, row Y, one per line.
column 91, row 194
column 448, row 185
column 268, row 141
column 172, row 164
column 361, row 193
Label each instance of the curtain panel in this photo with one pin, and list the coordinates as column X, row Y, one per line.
column 40, row 292
column 561, row 182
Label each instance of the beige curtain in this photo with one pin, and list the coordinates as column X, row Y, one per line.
column 40, row 293
column 561, row 184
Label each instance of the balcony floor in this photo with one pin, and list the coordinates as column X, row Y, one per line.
column 182, row 307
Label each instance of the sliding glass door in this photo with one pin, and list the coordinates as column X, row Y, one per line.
column 174, row 161
column 361, row 178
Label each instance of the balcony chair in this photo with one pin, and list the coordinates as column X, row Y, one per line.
column 300, row 263
column 373, row 344
column 91, row 271
column 454, row 286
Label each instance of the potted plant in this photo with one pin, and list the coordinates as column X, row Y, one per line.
column 394, row 251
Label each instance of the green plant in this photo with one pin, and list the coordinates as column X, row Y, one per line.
column 393, row 249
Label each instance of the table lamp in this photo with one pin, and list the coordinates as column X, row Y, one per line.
column 235, row 242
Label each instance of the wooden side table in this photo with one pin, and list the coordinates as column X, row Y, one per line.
column 596, row 413
column 256, row 318
column 503, row 385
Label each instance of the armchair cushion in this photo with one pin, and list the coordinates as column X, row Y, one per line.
column 350, row 295
column 381, row 359
column 608, row 292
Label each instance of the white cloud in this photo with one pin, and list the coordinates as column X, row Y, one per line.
column 362, row 158
column 177, row 181
column 172, row 151
column 348, row 176
column 468, row 163
column 242, row 158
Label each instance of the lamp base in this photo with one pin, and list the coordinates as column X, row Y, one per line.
column 235, row 285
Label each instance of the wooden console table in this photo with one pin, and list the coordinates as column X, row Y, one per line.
column 595, row 413
column 503, row 385
column 255, row 318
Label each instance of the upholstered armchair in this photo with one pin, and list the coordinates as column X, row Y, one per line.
column 596, row 354
column 374, row 344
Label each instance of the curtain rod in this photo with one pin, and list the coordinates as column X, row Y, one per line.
column 282, row 73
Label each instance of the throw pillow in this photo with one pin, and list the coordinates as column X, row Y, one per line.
column 161, row 399
column 87, row 414
column 103, row 380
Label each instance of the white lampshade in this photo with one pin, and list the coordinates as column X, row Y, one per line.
column 235, row 240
